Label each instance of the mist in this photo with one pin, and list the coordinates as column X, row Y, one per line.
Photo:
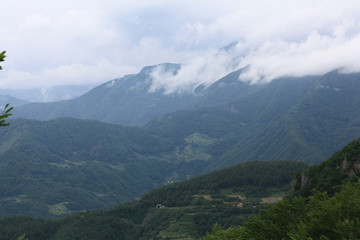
column 90, row 42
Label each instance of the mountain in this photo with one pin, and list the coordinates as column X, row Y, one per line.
column 14, row 102
column 65, row 165
column 187, row 209
column 47, row 94
column 323, row 118
column 290, row 118
column 130, row 101
column 301, row 119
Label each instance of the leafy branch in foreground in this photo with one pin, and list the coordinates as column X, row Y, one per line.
column 6, row 112
column 2, row 56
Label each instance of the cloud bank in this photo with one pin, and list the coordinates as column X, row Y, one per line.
column 88, row 42
column 275, row 40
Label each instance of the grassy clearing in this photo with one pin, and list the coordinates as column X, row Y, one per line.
column 59, row 209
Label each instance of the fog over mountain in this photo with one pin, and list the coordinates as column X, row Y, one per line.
column 46, row 94
column 90, row 42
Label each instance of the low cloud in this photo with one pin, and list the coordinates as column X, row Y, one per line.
column 280, row 39
column 94, row 41
column 201, row 70
column 74, row 74
column 316, row 55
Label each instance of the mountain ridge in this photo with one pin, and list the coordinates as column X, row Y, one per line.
column 130, row 101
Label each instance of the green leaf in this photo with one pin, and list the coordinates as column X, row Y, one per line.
column 5, row 114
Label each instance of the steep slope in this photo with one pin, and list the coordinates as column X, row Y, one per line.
column 65, row 165
column 291, row 118
column 129, row 101
column 237, row 128
column 343, row 166
column 324, row 204
column 226, row 89
column 191, row 207
column 323, row 119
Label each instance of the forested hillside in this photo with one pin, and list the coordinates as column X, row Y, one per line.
column 303, row 119
column 324, row 204
column 65, row 165
column 187, row 209
column 180, row 120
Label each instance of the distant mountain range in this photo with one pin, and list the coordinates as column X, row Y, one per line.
column 14, row 102
column 46, row 94
column 291, row 118
column 66, row 164
column 129, row 101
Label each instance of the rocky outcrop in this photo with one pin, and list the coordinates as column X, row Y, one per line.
column 350, row 169
column 304, row 179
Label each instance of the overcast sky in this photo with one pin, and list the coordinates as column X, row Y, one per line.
column 51, row 42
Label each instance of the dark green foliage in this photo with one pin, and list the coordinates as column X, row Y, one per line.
column 254, row 179
column 5, row 114
column 325, row 205
column 316, row 217
column 56, row 167
column 326, row 176
column 2, row 56
column 6, row 111
column 186, row 213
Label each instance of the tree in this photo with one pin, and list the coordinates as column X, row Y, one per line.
column 2, row 56
column 6, row 111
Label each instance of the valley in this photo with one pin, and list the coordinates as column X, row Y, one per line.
column 186, row 209
column 56, row 167
column 180, row 120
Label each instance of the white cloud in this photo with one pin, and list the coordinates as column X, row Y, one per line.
column 66, row 75
column 54, row 43
column 201, row 70
column 316, row 55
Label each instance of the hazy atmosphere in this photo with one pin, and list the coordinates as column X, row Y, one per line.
column 164, row 119
column 80, row 42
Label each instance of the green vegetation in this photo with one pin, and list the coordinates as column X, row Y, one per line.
column 2, row 56
column 299, row 119
column 67, row 165
column 5, row 114
column 328, row 175
column 190, row 208
column 101, row 165
column 315, row 217
column 6, row 111
column 325, row 204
